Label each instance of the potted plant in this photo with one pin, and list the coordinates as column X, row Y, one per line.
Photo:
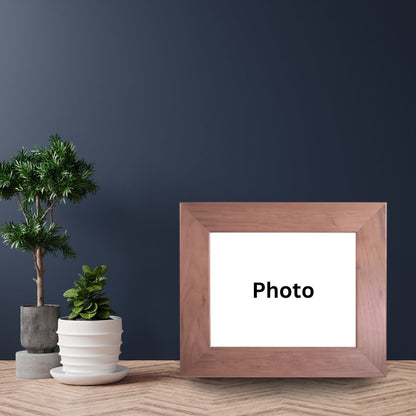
column 40, row 180
column 90, row 337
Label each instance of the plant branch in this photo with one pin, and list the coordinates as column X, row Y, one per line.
column 37, row 204
column 39, row 272
column 36, row 263
column 49, row 210
column 21, row 207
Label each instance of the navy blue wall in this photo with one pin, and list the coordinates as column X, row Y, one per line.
column 207, row 101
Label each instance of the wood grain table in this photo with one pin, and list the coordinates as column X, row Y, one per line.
column 155, row 388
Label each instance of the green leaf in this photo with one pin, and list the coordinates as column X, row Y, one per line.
column 87, row 270
column 77, row 309
column 86, row 315
column 103, row 301
column 71, row 293
column 99, row 295
column 100, row 270
column 92, row 308
column 78, row 302
column 83, row 293
column 80, row 276
column 103, row 314
column 94, row 287
column 72, row 315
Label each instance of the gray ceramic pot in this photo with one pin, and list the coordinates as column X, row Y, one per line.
column 38, row 325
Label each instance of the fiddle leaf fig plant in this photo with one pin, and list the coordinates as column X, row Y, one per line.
column 87, row 299
column 39, row 180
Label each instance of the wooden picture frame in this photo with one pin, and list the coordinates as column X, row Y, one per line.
column 366, row 359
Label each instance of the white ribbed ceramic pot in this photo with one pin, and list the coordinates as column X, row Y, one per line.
column 89, row 347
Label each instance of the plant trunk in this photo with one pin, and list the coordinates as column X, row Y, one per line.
column 39, row 276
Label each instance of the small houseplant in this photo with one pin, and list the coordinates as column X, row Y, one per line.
column 40, row 180
column 87, row 299
column 90, row 337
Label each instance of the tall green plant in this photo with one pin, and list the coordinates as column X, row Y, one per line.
column 39, row 180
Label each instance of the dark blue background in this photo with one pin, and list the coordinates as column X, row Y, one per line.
column 207, row 101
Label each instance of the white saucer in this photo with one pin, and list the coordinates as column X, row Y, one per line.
column 88, row 379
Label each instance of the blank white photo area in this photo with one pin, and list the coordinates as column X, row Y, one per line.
column 282, row 289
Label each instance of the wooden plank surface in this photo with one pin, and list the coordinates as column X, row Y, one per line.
column 155, row 388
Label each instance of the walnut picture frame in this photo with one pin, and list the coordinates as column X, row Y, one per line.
column 364, row 352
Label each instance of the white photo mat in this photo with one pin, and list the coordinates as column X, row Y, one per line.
column 323, row 261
